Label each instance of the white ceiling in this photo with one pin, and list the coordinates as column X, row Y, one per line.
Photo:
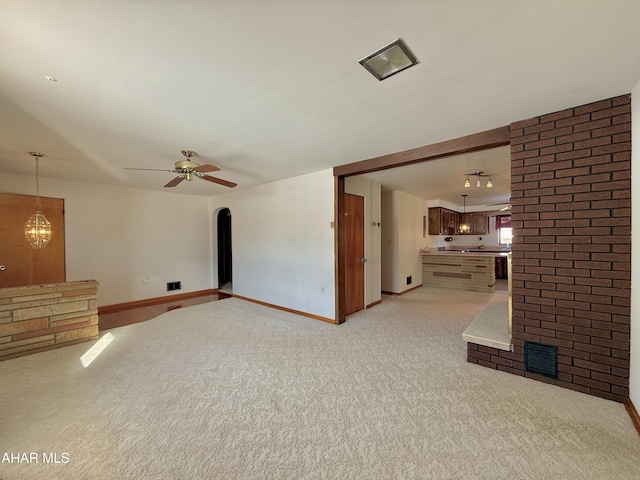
column 270, row 89
column 444, row 178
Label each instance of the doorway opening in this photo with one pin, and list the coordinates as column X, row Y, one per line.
column 225, row 263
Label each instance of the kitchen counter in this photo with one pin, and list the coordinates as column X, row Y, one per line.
column 482, row 253
column 473, row 271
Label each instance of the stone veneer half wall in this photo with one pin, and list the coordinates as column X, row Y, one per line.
column 571, row 219
column 35, row 318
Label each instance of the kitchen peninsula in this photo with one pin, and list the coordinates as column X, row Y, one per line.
column 462, row 269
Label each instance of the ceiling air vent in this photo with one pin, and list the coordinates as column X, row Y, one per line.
column 541, row 359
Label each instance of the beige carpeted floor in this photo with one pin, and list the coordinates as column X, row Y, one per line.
column 234, row 390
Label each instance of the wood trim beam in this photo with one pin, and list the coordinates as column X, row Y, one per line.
column 478, row 141
column 340, row 250
column 284, row 309
column 496, row 137
column 119, row 307
column 633, row 413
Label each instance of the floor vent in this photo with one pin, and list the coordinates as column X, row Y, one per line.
column 541, row 359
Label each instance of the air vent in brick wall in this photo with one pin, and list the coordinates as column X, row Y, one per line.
column 541, row 359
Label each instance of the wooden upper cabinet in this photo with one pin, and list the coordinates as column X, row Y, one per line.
column 443, row 221
column 479, row 225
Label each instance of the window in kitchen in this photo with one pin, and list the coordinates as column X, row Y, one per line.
column 503, row 227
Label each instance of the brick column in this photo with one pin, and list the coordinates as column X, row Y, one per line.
column 571, row 215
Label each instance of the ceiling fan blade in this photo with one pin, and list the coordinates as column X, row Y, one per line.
column 219, row 181
column 149, row 169
column 175, row 181
column 206, row 168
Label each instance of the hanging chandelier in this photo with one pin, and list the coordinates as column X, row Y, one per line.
column 37, row 230
column 464, row 227
column 478, row 174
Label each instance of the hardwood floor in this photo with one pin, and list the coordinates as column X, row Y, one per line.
column 142, row 314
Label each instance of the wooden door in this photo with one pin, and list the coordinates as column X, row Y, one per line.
column 24, row 265
column 354, row 253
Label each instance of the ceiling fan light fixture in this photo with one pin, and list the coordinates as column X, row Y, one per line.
column 389, row 60
column 489, row 183
column 467, row 184
column 478, row 184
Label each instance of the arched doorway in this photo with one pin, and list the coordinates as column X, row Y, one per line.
column 225, row 272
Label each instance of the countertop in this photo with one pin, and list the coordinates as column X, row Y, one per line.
column 469, row 253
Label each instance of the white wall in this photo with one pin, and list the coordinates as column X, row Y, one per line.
column 370, row 190
column 283, row 242
column 634, row 376
column 402, row 216
column 132, row 241
column 389, row 262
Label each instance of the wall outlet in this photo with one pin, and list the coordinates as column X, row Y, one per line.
column 171, row 286
column 409, row 280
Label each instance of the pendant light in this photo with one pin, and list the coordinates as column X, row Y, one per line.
column 464, row 227
column 37, row 230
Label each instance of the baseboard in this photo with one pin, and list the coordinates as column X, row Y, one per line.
column 290, row 310
column 633, row 413
column 378, row 302
column 403, row 292
column 119, row 307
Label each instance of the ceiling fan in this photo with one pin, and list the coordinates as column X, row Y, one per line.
column 507, row 206
column 187, row 169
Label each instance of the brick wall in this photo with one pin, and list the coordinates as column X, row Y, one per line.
column 41, row 317
column 571, row 215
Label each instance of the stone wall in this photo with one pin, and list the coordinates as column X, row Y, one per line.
column 35, row 318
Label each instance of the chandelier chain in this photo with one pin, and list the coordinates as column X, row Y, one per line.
column 37, row 184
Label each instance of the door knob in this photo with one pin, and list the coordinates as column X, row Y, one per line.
column 1, row 268
column 363, row 260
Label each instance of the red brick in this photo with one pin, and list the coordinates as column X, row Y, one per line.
column 573, row 155
column 554, row 117
column 611, row 112
column 603, row 122
column 612, row 148
column 556, row 149
column 595, row 106
column 573, row 120
column 612, row 130
column 574, row 137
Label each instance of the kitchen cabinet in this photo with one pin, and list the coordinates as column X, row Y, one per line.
column 479, row 225
column 443, row 221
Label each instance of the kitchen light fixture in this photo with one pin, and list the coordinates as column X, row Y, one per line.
column 478, row 174
column 464, row 227
column 389, row 60
column 37, row 230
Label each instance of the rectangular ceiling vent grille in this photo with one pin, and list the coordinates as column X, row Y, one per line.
column 541, row 359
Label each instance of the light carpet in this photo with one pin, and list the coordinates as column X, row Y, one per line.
column 235, row 390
